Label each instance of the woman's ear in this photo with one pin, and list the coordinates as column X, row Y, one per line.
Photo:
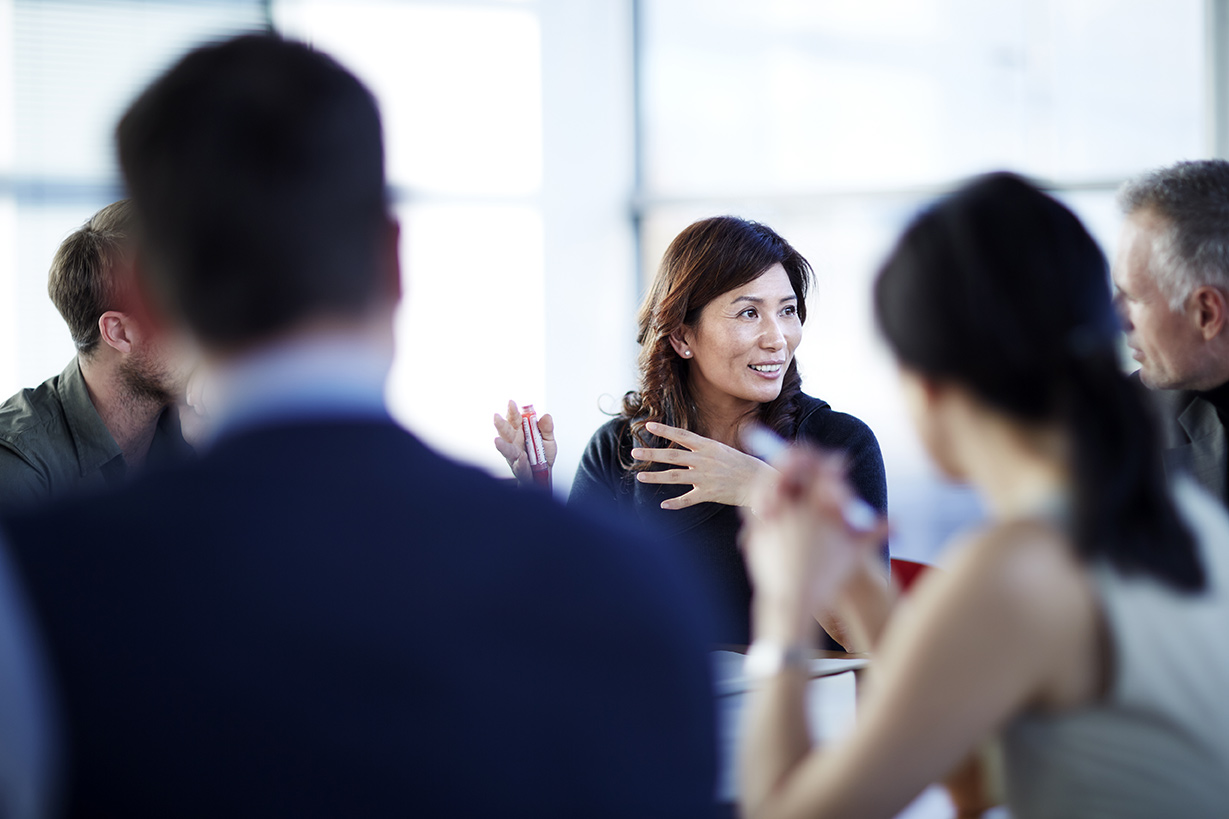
column 680, row 341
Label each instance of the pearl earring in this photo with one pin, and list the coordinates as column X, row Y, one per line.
column 686, row 353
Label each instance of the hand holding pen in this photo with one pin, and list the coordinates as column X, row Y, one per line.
column 810, row 535
column 529, row 467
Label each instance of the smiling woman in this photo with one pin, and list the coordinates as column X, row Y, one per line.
column 717, row 334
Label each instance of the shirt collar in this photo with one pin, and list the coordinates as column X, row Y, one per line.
column 95, row 446
column 326, row 377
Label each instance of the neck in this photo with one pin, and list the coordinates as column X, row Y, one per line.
column 723, row 419
column 131, row 419
column 338, row 369
column 1018, row 471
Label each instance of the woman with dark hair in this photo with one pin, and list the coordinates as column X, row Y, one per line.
column 1086, row 620
column 717, row 334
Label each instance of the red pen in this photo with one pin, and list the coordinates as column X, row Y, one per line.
column 534, row 446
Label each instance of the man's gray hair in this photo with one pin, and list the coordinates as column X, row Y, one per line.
column 1193, row 198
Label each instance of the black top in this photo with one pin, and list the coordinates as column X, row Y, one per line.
column 1219, row 398
column 709, row 531
column 327, row 619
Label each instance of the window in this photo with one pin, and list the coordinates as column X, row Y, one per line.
column 69, row 71
column 835, row 122
column 542, row 153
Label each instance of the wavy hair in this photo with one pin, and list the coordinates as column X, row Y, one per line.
column 709, row 258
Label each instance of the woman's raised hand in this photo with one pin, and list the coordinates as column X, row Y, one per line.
column 511, row 441
column 800, row 548
column 717, row 473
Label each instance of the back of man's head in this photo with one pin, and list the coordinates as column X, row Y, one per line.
column 86, row 272
column 256, row 167
column 1193, row 200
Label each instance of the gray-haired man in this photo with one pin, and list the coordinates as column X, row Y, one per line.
column 1171, row 274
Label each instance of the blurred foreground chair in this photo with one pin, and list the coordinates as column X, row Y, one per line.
column 906, row 572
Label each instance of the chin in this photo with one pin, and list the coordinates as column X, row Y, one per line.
column 766, row 397
column 1154, row 382
column 1148, row 379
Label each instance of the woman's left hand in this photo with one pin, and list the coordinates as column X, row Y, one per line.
column 717, row 473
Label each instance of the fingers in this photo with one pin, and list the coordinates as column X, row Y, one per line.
column 678, row 457
column 683, row 501
column 506, row 430
column 509, row 450
column 679, row 436
column 511, row 441
column 814, row 477
column 666, row 476
column 814, row 482
column 546, row 426
column 510, row 427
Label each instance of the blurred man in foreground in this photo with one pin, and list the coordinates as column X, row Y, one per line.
column 322, row 617
column 1171, row 274
column 113, row 408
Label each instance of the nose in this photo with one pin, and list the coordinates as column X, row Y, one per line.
column 773, row 337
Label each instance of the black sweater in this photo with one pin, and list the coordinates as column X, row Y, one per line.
column 709, row 531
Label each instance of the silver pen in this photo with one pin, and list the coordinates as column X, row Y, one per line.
column 767, row 445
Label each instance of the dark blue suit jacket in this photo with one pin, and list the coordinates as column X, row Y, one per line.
column 329, row 619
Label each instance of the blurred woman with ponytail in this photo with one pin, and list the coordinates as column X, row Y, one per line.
column 717, row 334
column 1086, row 621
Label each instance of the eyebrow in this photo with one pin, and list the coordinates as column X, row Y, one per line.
column 758, row 300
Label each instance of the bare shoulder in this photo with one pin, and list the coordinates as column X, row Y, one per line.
column 1024, row 581
column 1017, row 560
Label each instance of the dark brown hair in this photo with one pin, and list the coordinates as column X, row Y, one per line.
column 709, row 258
column 256, row 168
column 81, row 282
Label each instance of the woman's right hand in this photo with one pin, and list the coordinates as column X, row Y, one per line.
column 511, row 442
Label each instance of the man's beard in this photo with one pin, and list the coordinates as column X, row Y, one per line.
column 144, row 383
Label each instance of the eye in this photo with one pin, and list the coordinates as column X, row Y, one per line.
column 750, row 312
column 790, row 310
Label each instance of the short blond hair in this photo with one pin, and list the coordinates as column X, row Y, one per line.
column 82, row 282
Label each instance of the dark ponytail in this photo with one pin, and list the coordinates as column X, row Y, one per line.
column 1123, row 510
column 1000, row 288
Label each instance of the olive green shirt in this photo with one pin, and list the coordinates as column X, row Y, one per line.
column 53, row 443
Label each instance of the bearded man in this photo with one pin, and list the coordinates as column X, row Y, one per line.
column 112, row 410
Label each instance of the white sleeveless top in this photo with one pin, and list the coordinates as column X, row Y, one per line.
column 1157, row 745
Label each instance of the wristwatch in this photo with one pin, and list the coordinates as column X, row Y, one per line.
column 765, row 659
